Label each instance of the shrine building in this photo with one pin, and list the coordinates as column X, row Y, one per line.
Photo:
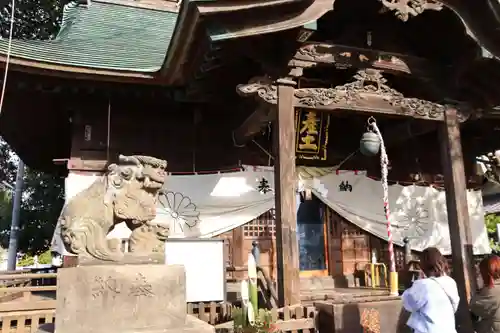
column 271, row 98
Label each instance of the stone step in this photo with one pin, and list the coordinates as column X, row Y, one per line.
column 316, row 283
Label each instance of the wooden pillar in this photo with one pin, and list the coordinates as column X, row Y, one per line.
column 458, row 215
column 238, row 249
column 285, row 184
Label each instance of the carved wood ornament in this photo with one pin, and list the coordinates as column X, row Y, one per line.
column 406, row 8
column 341, row 56
column 367, row 93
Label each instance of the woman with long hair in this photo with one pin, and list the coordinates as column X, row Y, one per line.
column 485, row 305
column 433, row 299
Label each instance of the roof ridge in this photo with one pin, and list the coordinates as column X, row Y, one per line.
column 160, row 5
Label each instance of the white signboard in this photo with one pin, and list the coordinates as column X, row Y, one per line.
column 204, row 262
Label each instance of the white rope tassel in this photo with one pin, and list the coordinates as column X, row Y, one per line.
column 7, row 61
column 384, row 166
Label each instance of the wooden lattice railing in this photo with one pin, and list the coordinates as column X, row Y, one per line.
column 288, row 319
column 28, row 310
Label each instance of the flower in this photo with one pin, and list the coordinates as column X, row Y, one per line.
column 412, row 214
column 181, row 209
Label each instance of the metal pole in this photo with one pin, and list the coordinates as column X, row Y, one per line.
column 16, row 210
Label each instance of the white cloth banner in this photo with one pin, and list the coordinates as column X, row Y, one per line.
column 200, row 205
column 209, row 205
column 417, row 212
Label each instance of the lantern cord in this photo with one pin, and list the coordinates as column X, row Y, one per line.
column 234, row 141
column 271, row 157
column 384, row 165
column 7, row 61
column 338, row 166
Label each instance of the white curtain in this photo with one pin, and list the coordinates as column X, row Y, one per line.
column 417, row 212
column 209, row 205
column 197, row 205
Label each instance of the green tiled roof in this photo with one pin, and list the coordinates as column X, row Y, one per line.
column 104, row 36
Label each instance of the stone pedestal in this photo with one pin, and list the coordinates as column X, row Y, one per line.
column 124, row 299
column 383, row 314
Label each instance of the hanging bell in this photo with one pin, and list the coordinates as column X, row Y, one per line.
column 369, row 144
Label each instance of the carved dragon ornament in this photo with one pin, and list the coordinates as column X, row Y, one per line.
column 262, row 86
column 403, row 9
column 128, row 193
column 368, row 92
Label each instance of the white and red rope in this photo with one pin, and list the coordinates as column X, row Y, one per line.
column 384, row 166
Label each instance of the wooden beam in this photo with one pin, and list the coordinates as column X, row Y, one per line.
column 80, row 73
column 367, row 93
column 392, row 137
column 159, row 5
column 254, row 123
column 285, row 202
column 239, row 252
column 458, row 215
column 313, row 54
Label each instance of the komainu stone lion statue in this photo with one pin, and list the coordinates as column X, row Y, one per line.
column 126, row 193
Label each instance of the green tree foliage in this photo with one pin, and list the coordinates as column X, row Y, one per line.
column 42, row 200
column 45, row 258
column 7, row 178
column 7, row 165
column 33, row 19
column 28, row 259
column 41, row 205
column 491, row 222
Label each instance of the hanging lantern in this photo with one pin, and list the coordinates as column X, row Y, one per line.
column 370, row 142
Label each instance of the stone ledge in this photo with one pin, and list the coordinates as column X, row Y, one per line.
column 193, row 325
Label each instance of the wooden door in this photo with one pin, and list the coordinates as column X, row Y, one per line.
column 334, row 241
column 355, row 248
column 312, row 238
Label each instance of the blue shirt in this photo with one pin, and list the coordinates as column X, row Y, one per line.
column 432, row 303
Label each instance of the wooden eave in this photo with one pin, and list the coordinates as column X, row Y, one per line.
column 181, row 40
column 192, row 13
column 82, row 73
column 316, row 10
column 163, row 5
column 481, row 20
column 232, row 6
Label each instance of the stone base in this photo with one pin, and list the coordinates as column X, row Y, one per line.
column 193, row 325
column 121, row 298
column 384, row 315
column 157, row 258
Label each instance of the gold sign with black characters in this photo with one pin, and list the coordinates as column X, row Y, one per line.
column 311, row 134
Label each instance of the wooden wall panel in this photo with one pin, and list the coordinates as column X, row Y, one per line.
column 349, row 247
column 356, row 248
column 239, row 242
column 190, row 137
